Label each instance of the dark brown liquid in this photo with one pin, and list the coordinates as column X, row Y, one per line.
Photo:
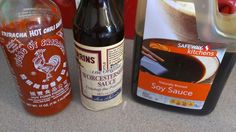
column 93, row 28
column 221, row 77
column 179, row 67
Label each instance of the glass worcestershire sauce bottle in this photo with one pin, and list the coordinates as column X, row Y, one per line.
column 99, row 41
column 154, row 94
column 31, row 35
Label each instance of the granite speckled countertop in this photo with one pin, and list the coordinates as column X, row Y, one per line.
column 127, row 117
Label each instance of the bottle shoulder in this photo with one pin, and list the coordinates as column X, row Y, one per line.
column 30, row 11
column 98, row 26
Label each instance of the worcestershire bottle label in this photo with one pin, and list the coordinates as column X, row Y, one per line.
column 101, row 72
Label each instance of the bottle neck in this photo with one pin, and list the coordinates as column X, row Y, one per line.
column 97, row 3
column 98, row 23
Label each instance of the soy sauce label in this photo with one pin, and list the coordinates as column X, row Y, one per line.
column 38, row 61
column 176, row 68
column 101, row 72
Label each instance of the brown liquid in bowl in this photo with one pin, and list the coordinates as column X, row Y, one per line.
column 180, row 67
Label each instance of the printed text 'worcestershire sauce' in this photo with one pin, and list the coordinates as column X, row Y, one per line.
column 99, row 43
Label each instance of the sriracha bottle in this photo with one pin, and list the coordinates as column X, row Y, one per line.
column 31, row 36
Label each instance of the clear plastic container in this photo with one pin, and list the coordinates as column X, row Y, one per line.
column 222, row 74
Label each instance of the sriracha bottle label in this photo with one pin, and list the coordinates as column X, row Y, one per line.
column 38, row 61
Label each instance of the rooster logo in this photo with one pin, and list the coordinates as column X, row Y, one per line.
column 46, row 67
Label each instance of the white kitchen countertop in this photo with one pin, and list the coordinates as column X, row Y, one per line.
column 130, row 116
